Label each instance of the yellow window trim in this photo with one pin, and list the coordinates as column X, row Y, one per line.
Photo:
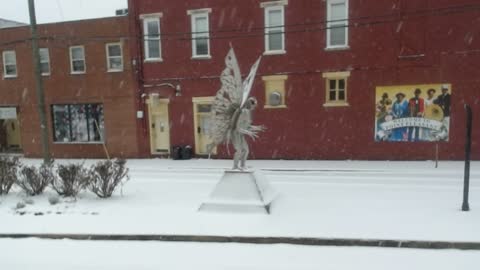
column 339, row 75
column 336, row 104
column 275, row 78
column 274, row 83
column 336, row 75
column 275, row 107
column 202, row 99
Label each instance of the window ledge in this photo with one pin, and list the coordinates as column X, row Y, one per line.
column 275, row 52
column 114, row 70
column 10, row 76
column 201, row 57
column 153, row 60
column 78, row 143
column 77, row 73
column 275, row 107
column 46, row 74
column 340, row 104
column 337, row 48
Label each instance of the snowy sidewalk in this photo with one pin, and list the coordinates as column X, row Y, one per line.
column 86, row 255
column 317, row 199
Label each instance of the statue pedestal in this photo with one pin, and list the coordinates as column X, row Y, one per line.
column 240, row 191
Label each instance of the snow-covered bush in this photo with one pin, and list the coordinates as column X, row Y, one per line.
column 8, row 173
column 32, row 181
column 72, row 179
column 105, row 176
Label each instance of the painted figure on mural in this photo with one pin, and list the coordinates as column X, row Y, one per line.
column 232, row 111
column 416, row 107
column 383, row 108
column 399, row 110
column 429, row 107
column 443, row 101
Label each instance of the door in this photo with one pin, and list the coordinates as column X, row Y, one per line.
column 159, row 127
column 13, row 134
column 203, row 122
column 10, row 135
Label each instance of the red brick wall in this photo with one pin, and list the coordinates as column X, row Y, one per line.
column 115, row 90
column 306, row 129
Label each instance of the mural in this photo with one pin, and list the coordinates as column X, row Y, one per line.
column 413, row 113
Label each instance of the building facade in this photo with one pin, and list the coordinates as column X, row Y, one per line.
column 338, row 78
column 89, row 87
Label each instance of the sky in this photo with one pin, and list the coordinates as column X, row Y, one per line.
column 60, row 10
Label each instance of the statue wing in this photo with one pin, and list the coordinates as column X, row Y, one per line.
column 247, row 84
column 226, row 102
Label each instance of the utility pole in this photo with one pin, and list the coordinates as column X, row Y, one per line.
column 39, row 83
column 468, row 146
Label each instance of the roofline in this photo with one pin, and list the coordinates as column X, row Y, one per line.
column 15, row 23
column 65, row 22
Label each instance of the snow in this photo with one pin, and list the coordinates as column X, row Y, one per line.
column 84, row 255
column 341, row 199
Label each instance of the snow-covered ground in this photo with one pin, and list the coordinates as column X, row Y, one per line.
column 344, row 199
column 86, row 255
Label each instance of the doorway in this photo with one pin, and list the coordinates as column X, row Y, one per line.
column 159, row 125
column 10, row 135
column 202, row 114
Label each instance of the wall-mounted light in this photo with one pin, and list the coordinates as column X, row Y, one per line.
column 178, row 90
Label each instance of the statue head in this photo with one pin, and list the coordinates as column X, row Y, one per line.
column 251, row 103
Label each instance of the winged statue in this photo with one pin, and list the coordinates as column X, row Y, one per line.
column 232, row 111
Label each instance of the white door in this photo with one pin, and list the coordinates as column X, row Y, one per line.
column 159, row 128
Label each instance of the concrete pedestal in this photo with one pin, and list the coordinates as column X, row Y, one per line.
column 240, row 191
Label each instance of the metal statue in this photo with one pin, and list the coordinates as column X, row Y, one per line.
column 232, row 111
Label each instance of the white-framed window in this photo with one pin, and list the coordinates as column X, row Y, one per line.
column 44, row 61
column 336, row 88
column 9, row 64
column 77, row 60
column 151, row 37
column 200, row 32
column 114, row 57
column 274, row 26
column 337, row 24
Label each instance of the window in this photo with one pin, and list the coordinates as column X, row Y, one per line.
column 200, row 33
column 275, row 91
column 114, row 57
column 77, row 60
column 336, row 88
column 337, row 25
column 274, row 26
column 9, row 64
column 151, row 32
column 78, row 123
column 44, row 61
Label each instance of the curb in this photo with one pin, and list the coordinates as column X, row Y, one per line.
column 257, row 240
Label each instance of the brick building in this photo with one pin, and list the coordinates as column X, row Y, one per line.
column 332, row 73
column 89, row 89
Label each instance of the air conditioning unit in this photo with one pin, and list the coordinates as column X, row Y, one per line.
column 121, row 12
column 275, row 99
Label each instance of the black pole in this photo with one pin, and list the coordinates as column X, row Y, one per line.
column 468, row 146
column 39, row 83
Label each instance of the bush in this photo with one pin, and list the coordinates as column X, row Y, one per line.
column 8, row 173
column 71, row 179
column 105, row 176
column 32, row 181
